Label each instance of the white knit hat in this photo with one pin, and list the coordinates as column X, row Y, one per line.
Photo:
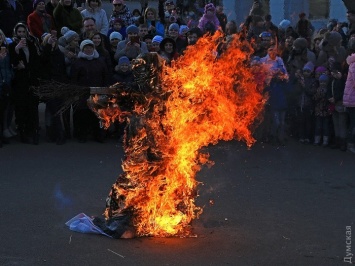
column 86, row 42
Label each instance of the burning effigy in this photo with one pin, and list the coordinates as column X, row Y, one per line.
column 172, row 111
column 201, row 98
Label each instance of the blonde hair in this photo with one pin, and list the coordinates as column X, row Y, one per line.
column 150, row 9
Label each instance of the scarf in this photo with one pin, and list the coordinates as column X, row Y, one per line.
column 94, row 55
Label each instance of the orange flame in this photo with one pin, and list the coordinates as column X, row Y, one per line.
column 210, row 99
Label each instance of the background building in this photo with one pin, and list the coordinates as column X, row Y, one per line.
column 318, row 11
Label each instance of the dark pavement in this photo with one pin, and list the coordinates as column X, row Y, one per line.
column 272, row 206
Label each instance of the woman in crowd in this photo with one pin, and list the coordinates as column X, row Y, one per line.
column 39, row 21
column 168, row 50
column 53, row 68
column 103, row 53
column 25, row 58
column 155, row 27
column 6, row 74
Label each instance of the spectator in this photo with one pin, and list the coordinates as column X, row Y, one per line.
column 117, row 25
column 115, row 38
column 103, row 53
column 6, row 75
column 94, row 10
column 222, row 18
column 65, row 15
column 136, row 15
column 304, row 28
column 148, row 41
column 209, row 21
column 168, row 50
column 321, row 112
column 277, row 94
column 155, row 27
column 68, row 44
column 39, row 21
column 50, row 6
column 120, row 10
column 123, row 71
column 339, row 115
column 11, row 13
column 182, row 31
column 53, row 68
column 156, row 43
column 132, row 46
column 193, row 35
column 88, row 70
column 173, row 33
column 307, row 84
column 349, row 95
column 25, row 57
column 142, row 31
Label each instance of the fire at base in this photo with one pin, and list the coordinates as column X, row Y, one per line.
column 198, row 100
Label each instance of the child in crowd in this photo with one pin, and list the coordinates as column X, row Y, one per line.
column 321, row 112
column 117, row 24
column 123, row 72
column 307, row 84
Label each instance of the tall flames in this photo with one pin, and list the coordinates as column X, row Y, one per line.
column 206, row 99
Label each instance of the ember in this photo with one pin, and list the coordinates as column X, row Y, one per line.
column 198, row 100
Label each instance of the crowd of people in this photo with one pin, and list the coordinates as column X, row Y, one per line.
column 311, row 88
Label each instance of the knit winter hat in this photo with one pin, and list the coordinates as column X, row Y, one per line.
column 284, row 24
column 157, row 38
column 323, row 78
column 210, row 7
column 174, row 26
column 116, row 35
column 320, row 69
column 123, row 60
column 183, row 28
column 309, row 66
column 85, row 43
column 132, row 29
column 68, row 34
column 36, row 2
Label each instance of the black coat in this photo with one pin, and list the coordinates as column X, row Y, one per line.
column 53, row 64
column 24, row 78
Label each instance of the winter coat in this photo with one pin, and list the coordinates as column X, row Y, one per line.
column 53, row 64
column 24, row 78
column 159, row 27
column 6, row 73
column 305, row 100
column 68, row 17
column 40, row 23
column 321, row 102
column 277, row 87
column 125, row 77
column 88, row 73
column 349, row 91
column 100, row 17
column 10, row 16
column 123, row 14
